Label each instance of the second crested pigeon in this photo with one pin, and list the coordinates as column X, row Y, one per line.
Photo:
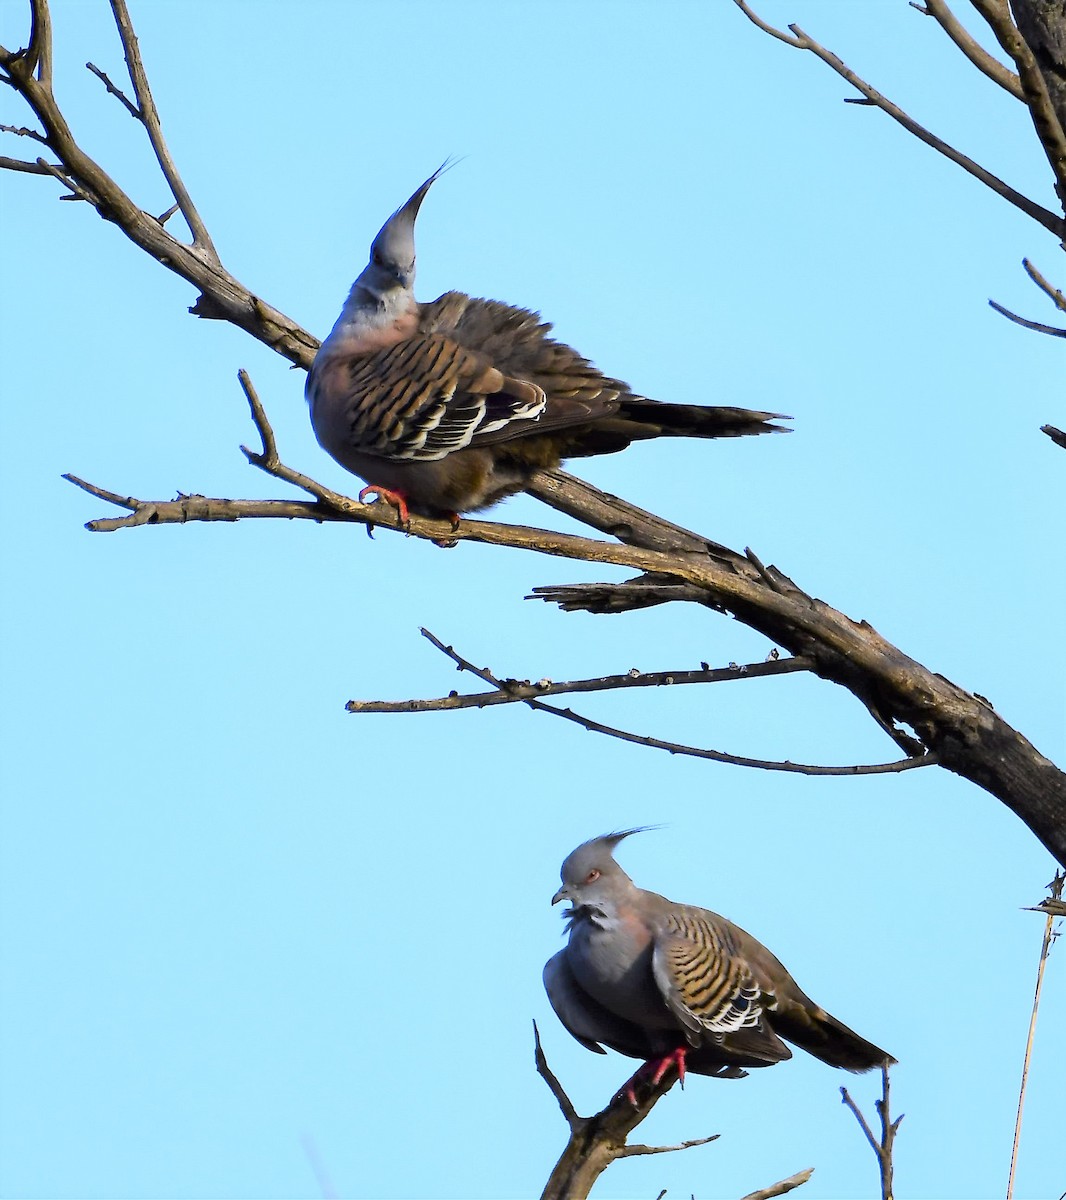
column 449, row 406
column 675, row 984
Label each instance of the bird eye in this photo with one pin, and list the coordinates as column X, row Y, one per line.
column 592, row 876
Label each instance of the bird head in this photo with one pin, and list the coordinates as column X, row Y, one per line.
column 391, row 269
column 590, row 875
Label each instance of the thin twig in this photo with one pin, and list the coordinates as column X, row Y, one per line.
column 77, row 190
column 515, row 690
column 552, row 1080
column 149, row 115
column 1055, row 888
column 802, row 41
column 974, row 51
column 567, row 714
column 780, row 1188
column 117, row 92
column 1057, row 297
column 30, row 168
column 1025, row 323
column 325, row 1184
column 22, row 131
column 631, row 1151
column 193, row 507
column 882, row 1147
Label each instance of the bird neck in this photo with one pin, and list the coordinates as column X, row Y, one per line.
column 372, row 320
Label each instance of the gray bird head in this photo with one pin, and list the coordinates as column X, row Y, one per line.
column 590, row 875
column 391, row 270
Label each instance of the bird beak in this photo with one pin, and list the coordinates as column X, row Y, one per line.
column 561, row 894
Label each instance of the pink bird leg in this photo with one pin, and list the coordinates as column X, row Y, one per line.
column 656, row 1068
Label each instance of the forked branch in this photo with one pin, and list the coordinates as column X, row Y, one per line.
column 926, row 714
column 1050, row 221
column 882, row 1146
column 921, row 711
column 597, row 1141
column 514, row 691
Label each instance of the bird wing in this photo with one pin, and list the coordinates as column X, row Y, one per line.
column 517, row 342
column 428, row 396
column 704, row 978
column 581, row 1016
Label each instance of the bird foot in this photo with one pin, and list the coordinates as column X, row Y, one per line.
column 656, row 1068
column 387, row 496
column 452, row 542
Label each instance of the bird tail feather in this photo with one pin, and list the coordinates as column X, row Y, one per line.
column 831, row 1040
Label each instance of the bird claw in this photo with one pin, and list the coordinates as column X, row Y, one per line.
column 656, row 1068
column 393, row 499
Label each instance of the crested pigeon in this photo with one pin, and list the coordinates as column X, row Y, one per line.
column 675, row 984
column 449, row 406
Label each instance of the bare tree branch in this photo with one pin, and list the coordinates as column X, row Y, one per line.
column 779, row 1189
column 1025, row 323
column 566, row 1105
column 511, row 691
column 39, row 55
column 117, row 92
column 883, row 1146
column 22, row 131
column 631, row 1151
column 597, row 1141
column 30, row 168
column 961, row 730
column 222, row 297
column 801, row 41
column 147, row 112
column 1053, row 907
column 1040, row 24
column 1057, row 297
column 1049, row 130
column 974, row 51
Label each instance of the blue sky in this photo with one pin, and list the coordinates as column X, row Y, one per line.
column 235, row 917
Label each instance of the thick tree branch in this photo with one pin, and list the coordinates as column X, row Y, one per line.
column 597, row 1141
column 1049, row 129
column 1040, row 23
column 801, row 41
column 960, row 729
